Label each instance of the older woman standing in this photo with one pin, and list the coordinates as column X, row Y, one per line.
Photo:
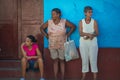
column 88, row 43
column 57, row 36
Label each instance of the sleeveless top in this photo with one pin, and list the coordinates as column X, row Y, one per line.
column 88, row 28
column 57, row 34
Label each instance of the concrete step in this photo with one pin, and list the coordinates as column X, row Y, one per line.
column 10, row 63
column 12, row 69
column 9, row 68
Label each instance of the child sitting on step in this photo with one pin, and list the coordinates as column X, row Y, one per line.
column 31, row 56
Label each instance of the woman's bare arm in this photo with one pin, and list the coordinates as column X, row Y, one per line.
column 71, row 26
column 42, row 29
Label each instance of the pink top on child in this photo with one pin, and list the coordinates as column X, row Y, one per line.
column 31, row 52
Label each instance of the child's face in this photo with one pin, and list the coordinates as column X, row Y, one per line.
column 88, row 13
column 55, row 15
column 28, row 42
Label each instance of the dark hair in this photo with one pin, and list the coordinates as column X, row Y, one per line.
column 87, row 8
column 57, row 10
column 32, row 38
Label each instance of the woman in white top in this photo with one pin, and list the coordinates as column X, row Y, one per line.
column 88, row 43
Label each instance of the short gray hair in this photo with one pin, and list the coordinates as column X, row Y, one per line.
column 87, row 8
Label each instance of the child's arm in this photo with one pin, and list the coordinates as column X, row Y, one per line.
column 23, row 52
column 38, row 53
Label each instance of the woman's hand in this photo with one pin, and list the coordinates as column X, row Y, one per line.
column 86, row 37
column 91, row 36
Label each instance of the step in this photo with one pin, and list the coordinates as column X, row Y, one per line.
column 9, row 68
column 10, row 63
column 12, row 69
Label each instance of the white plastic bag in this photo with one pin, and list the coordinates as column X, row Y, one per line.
column 71, row 52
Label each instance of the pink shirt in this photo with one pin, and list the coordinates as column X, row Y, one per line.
column 31, row 52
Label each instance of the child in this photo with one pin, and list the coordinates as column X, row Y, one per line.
column 31, row 56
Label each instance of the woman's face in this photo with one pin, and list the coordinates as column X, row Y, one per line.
column 88, row 13
column 55, row 15
column 28, row 42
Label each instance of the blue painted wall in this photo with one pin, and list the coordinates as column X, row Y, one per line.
column 105, row 12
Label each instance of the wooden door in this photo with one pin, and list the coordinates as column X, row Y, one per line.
column 8, row 29
column 19, row 18
column 30, row 18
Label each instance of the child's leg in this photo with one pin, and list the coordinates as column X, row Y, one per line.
column 24, row 64
column 41, row 67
